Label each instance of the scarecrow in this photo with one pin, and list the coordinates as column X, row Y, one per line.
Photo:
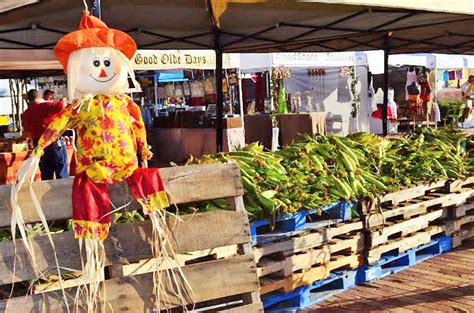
column 110, row 130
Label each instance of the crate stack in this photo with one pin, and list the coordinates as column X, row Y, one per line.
column 460, row 218
column 213, row 250
column 304, row 260
column 406, row 227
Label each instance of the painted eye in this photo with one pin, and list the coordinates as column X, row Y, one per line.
column 107, row 62
column 96, row 62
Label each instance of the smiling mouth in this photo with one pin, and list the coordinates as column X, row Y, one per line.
column 102, row 81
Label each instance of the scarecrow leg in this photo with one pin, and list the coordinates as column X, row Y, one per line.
column 170, row 285
column 91, row 205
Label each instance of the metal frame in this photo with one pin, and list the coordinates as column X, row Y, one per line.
column 227, row 41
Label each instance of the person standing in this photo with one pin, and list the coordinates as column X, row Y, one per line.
column 35, row 120
column 48, row 95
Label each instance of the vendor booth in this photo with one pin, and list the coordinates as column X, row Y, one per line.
column 324, row 93
column 178, row 93
column 425, row 89
column 177, row 97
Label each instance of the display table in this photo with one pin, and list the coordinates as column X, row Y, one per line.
column 180, row 136
column 294, row 126
column 258, row 128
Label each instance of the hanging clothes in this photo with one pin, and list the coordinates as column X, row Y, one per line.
column 372, row 104
column 458, row 74
column 425, row 92
column 452, row 75
column 445, row 76
column 392, row 105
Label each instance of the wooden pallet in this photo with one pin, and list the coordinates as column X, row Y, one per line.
column 287, row 262
column 399, row 229
column 374, row 216
column 308, row 276
column 412, row 192
column 460, row 184
column 461, row 229
column 215, row 246
column 400, row 245
column 311, row 237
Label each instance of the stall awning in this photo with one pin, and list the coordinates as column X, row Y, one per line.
column 269, row 26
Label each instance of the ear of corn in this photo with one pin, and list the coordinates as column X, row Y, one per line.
column 322, row 170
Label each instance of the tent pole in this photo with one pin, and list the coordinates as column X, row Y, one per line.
column 94, row 7
column 219, row 100
column 386, row 52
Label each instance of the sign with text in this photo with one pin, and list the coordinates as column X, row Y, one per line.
column 177, row 59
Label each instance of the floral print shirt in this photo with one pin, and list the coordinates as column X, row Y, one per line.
column 109, row 131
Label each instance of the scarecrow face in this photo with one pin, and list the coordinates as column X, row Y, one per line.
column 98, row 71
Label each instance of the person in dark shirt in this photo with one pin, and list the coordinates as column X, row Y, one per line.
column 35, row 119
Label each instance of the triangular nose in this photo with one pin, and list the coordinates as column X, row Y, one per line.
column 102, row 74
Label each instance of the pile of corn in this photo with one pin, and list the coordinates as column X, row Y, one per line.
column 323, row 170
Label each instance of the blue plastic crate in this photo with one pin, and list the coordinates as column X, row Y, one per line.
column 394, row 263
column 292, row 222
column 309, row 295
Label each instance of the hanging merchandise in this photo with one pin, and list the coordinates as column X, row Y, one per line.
column 425, row 92
column 392, row 111
column 161, row 93
column 110, row 131
column 459, row 74
column 278, row 75
column 451, row 75
column 445, row 76
column 186, row 89
column 178, row 91
column 282, row 106
column 309, row 101
column 209, row 84
column 343, row 89
column 169, row 90
column 372, row 102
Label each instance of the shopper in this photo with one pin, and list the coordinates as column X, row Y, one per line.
column 48, row 95
column 35, row 119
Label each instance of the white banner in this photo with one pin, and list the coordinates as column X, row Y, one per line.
column 178, row 59
column 313, row 59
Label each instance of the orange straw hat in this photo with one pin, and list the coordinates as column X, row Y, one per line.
column 93, row 33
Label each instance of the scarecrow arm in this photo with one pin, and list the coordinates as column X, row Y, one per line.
column 139, row 129
column 62, row 121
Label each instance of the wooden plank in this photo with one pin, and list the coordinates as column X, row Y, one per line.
column 183, row 184
column 463, row 209
column 404, row 228
column 306, row 241
column 128, row 243
column 310, row 276
column 237, row 203
column 254, row 307
column 410, row 193
column 312, row 257
column 209, row 280
column 149, row 265
column 457, row 185
column 403, row 244
column 462, row 235
column 378, row 218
